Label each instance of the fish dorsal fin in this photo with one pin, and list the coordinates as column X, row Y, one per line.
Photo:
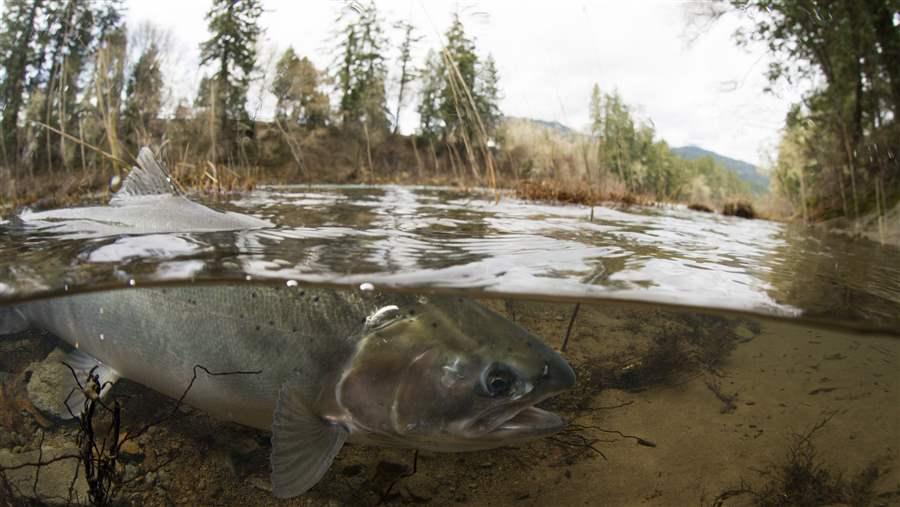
column 147, row 178
column 303, row 444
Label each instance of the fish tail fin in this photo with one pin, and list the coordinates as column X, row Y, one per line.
column 12, row 320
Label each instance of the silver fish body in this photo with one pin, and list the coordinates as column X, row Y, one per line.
column 156, row 336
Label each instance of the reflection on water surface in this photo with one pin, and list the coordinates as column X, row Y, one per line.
column 440, row 238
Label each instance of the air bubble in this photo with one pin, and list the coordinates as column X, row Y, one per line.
column 366, row 286
column 102, row 337
column 248, row 278
column 291, row 283
column 131, row 282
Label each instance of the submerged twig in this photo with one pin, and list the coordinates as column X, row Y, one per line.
column 99, row 456
column 639, row 440
column 569, row 329
column 386, row 496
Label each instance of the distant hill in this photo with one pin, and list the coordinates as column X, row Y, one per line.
column 759, row 183
column 554, row 126
column 746, row 171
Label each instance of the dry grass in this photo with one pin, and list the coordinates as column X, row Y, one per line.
column 573, row 192
column 739, row 208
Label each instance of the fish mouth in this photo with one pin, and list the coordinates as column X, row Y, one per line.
column 505, row 424
column 530, row 421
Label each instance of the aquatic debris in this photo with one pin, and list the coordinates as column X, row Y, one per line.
column 801, row 479
column 700, row 207
column 742, row 209
column 727, row 400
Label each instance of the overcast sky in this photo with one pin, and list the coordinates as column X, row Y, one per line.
column 549, row 55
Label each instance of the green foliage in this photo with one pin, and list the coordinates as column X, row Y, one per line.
column 296, row 90
column 144, row 96
column 758, row 181
column 487, row 95
column 460, row 94
column 16, row 55
column 361, row 71
column 47, row 49
column 407, row 71
column 628, row 149
column 232, row 50
column 850, row 142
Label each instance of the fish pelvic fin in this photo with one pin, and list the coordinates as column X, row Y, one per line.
column 147, row 178
column 11, row 320
column 96, row 380
column 303, row 444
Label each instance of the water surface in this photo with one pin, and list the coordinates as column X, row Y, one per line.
column 437, row 238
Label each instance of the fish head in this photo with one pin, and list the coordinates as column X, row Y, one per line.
column 448, row 374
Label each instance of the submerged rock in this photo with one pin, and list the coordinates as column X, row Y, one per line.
column 50, row 378
column 55, row 479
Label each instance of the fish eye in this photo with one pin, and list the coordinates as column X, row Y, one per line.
column 498, row 380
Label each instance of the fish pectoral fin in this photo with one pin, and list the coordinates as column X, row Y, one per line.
column 303, row 444
column 95, row 377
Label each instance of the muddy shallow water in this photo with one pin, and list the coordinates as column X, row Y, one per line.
column 671, row 407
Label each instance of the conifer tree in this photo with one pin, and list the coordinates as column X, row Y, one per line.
column 460, row 73
column 17, row 37
column 144, row 95
column 432, row 83
column 68, row 36
column 361, row 72
column 231, row 50
column 407, row 72
column 487, row 93
column 460, row 95
column 296, row 90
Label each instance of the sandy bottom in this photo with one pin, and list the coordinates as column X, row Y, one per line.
column 671, row 408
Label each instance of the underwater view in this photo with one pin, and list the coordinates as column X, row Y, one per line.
column 366, row 345
column 450, row 253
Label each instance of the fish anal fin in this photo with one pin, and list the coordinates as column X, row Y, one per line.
column 147, row 178
column 303, row 444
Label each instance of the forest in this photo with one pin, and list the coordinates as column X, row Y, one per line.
column 81, row 92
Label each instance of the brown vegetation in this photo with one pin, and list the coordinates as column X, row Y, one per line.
column 742, row 209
